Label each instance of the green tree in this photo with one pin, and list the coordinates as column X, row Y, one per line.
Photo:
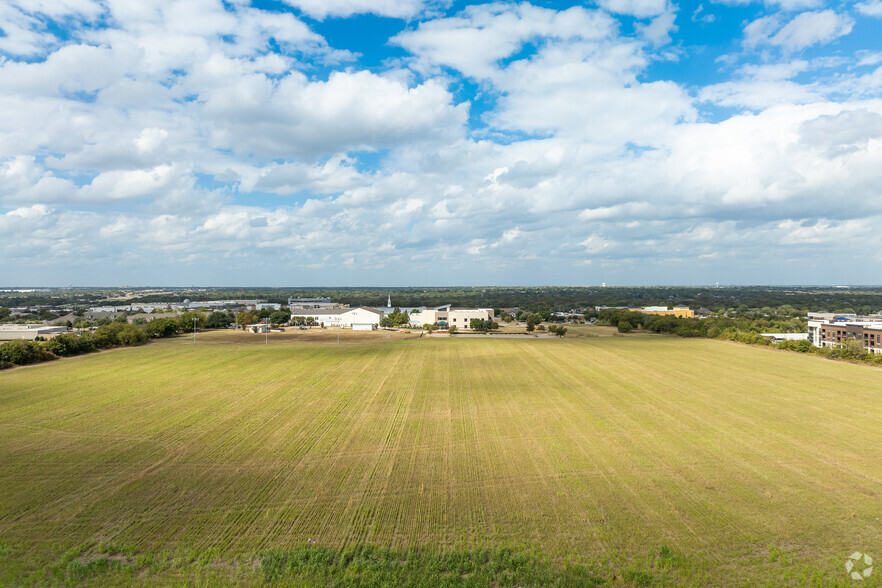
column 245, row 318
column 161, row 327
column 68, row 345
column 624, row 326
column 24, row 352
column 280, row 317
column 533, row 319
column 186, row 320
column 558, row 330
column 130, row 335
column 850, row 349
column 218, row 320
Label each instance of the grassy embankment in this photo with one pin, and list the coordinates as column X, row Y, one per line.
column 632, row 460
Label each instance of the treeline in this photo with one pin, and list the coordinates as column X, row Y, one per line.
column 16, row 353
column 734, row 301
column 118, row 333
column 746, row 301
column 737, row 329
column 741, row 330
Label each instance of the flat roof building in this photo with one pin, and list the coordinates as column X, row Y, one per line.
column 341, row 317
column 827, row 329
column 678, row 311
column 29, row 332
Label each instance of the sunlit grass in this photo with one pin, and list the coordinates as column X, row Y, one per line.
column 641, row 459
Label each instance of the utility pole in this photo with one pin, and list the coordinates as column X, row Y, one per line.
column 194, row 330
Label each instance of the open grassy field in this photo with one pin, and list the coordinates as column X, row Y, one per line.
column 646, row 460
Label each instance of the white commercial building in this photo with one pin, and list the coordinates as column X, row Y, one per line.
column 29, row 332
column 342, row 317
column 445, row 316
column 461, row 318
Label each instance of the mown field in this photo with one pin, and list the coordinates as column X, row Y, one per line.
column 636, row 460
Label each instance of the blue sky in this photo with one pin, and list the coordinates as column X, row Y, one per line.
column 431, row 142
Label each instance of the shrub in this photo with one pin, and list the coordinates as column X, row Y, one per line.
column 802, row 346
column 68, row 345
column 161, row 327
column 24, row 353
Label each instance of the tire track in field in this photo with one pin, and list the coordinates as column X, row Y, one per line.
column 640, row 437
column 296, row 495
column 733, row 437
column 377, row 481
column 329, row 474
column 756, row 405
column 542, row 473
column 628, row 429
column 615, row 543
column 117, row 486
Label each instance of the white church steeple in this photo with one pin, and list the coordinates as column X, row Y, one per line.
column 389, row 301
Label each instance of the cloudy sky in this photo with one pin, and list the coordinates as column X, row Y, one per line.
column 433, row 142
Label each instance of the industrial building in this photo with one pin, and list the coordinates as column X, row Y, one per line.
column 305, row 303
column 29, row 332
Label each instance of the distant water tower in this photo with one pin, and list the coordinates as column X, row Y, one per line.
column 603, row 285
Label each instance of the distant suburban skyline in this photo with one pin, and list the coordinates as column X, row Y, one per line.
column 408, row 142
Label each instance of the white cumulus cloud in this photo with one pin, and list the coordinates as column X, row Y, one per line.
column 321, row 9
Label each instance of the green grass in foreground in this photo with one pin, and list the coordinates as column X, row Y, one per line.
column 628, row 460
